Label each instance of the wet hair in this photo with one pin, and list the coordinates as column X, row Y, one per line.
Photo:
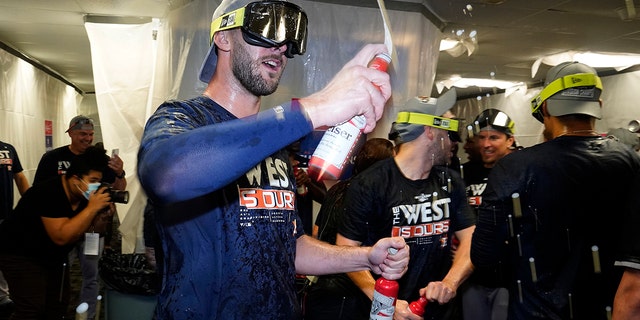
column 94, row 158
column 372, row 151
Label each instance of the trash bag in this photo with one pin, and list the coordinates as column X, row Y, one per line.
column 128, row 273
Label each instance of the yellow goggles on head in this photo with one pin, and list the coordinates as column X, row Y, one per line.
column 427, row 120
column 268, row 24
column 564, row 83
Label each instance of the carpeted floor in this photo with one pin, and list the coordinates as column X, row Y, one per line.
column 76, row 284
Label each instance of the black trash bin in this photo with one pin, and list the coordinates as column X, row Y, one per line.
column 131, row 286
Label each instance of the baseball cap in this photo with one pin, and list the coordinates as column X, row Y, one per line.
column 423, row 111
column 80, row 123
column 263, row 23
column 494, row 119
column 570, row 88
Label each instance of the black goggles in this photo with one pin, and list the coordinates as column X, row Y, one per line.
column 496, row 119
column 268, row 24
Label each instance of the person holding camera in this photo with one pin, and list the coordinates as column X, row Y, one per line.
column 35, row 240
column 56, row 162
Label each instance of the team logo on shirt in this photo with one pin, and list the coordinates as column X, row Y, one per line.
column 474, row 192
column 5, row 159
column 427, row 218
column 63, row 166
column 272, row 172
column 253, row 198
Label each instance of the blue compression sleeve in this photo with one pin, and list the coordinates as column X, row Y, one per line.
column 183, row 156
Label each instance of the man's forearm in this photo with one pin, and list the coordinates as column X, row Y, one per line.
column 315, row 257
column 626, row 305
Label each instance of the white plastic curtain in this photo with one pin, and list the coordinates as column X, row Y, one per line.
column 28, row 97
column 123, row 59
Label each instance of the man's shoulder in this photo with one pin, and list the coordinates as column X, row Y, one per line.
column 377, row 170
column 199, row 103
column 63, row 151
column 199, row 108
column 7, row 146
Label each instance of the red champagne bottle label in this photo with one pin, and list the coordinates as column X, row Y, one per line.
column 384, row 299
column 338, row 143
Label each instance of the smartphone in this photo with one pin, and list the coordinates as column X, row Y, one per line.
column 115, row 152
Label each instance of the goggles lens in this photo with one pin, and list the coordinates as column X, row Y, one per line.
column 496, row 119
column 268, row 24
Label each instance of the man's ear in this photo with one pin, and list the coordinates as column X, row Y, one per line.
column 511, row 141
column 545, row 112
column 429, row 131
column 221, row 40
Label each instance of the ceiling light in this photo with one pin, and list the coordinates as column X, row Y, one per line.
column 479, row 82
column 459, row 42
column 96, row 18
column 618, row 61
column 447, row 44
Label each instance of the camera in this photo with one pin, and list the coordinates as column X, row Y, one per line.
column 117, row 196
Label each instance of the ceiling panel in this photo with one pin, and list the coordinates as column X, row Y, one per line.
column 512, row 34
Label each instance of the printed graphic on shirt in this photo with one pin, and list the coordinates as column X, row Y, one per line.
column 5, row 159
column 474, row 193
column 417, row 222
column 63, row 166
column 270, row 196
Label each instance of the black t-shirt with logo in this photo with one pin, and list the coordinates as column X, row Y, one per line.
column 381, row 202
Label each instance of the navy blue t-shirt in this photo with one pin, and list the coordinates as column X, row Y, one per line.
column 229, row 252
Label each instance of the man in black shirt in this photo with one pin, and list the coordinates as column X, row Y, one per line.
column 563, row 214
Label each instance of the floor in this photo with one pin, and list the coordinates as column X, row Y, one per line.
column 76, row 282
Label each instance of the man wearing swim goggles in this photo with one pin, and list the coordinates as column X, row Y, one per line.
column 265, row 24
column 558, row 235
column 219, row 175
column 401, row 195
column 581, row 88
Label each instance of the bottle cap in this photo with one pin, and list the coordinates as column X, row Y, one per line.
column 417, row 307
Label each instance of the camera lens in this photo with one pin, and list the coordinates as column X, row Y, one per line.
column 118, row 196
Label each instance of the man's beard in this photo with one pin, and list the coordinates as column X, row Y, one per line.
column 441, row 154
column 248, row 73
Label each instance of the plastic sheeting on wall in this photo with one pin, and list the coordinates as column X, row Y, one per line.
column 28, row 97
column 124, row 62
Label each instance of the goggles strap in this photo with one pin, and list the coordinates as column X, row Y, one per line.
column 427, row 120
column 566, row 82
column 227, row 21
